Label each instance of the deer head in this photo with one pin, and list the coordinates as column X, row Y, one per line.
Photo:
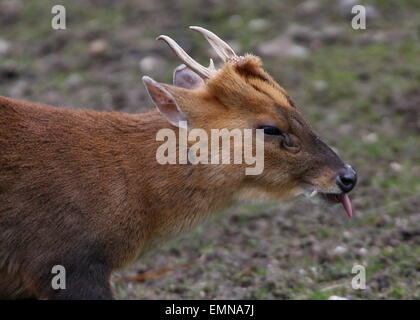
column 241, row 94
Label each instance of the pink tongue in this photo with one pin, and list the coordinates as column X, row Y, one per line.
column 345, row 200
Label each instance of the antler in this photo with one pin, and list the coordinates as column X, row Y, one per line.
column 222, row 49
column 190, row 62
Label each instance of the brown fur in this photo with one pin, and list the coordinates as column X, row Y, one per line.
column 83, row 189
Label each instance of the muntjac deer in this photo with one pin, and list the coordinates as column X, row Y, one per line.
column 84, row 190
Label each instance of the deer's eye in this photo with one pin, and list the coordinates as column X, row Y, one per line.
column 271, row 131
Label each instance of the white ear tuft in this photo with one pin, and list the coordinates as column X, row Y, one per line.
column 164, row 101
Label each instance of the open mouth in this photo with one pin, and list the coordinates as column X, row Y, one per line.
column 334, row 198
column 342, row 198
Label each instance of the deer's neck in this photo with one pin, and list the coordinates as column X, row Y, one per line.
column 173, row 197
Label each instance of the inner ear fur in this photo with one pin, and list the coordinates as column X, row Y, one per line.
column 186, row 78
column 165, row 101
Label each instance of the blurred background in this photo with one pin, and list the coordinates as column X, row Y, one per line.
column 358, row 88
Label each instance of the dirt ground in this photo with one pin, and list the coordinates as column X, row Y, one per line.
column 358, row 88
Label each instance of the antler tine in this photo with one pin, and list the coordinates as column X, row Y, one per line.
column 190, row 62
column 212, row 68
column 222, row 49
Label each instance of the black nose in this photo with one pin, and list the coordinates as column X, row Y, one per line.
column 346, row 178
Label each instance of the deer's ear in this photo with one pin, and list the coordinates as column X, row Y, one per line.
column 186, row 78
column 164, row 101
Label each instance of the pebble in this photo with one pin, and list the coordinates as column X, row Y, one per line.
column 283, row 47
column 396, row 167
column 148, row 64
column 339, row 250
column 320, row 85
column 314, row 270
column 4, row 46
column 74, row 79
column 347, row 234
column 98, row 47
column 363, row 251
column 258, row 24
column 370, row 138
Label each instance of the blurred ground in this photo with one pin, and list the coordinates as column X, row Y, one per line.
column 359, row 89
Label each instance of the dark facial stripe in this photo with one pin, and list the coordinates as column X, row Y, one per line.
column 248, row 73
column 289, row 100
column 261, row 91
column 253, row 73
